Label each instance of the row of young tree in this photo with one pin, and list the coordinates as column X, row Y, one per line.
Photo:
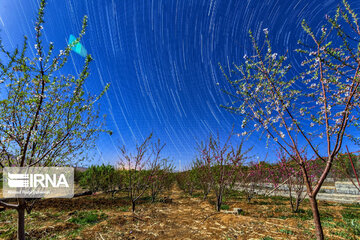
column 221, row 168
column 139, row 173
column 214, row 169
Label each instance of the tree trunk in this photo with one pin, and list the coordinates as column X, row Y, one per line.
column 205, row 196
column 298, row 201
column 133, row 206
column 219, row 203
column 291, row 199
column 21, row 221
column 316, row 215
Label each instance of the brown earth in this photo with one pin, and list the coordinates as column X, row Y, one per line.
column 185, row 218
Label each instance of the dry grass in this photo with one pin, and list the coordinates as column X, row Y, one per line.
column 103, row 217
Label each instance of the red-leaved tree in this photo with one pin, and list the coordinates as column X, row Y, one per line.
column 224, row 161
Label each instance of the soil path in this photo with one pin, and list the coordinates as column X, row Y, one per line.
column 184, row 218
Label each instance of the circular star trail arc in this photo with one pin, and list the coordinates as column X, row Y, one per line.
column 161, row 58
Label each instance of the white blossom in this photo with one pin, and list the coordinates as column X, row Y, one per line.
column 244, row 87
column 243, row 123
column 282, row 135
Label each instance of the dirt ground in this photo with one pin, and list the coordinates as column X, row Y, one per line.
column 104, row 217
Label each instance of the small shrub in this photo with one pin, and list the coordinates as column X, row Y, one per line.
column 264, row 203
column 286, row 231
column 146, row 198
column 279, row 198
column 303, row 214
column 84, row 218
column 231, row 193
column 280, row 209
column 196, row 195
column 123, row 209
column 328, row 204
column 225, row 207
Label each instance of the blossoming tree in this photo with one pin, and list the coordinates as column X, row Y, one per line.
column 222, row 161
column 143, row 169
column 46, row 118
column 313, row 110
column 287, row 172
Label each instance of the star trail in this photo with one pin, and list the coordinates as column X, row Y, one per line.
column 162, row 58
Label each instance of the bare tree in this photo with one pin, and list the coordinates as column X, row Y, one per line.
column 202, row 170
column 286, row 171
column 161, row 170
column 141, row 168
column 250, row 178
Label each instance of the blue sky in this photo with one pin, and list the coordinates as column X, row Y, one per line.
column 161, row 58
